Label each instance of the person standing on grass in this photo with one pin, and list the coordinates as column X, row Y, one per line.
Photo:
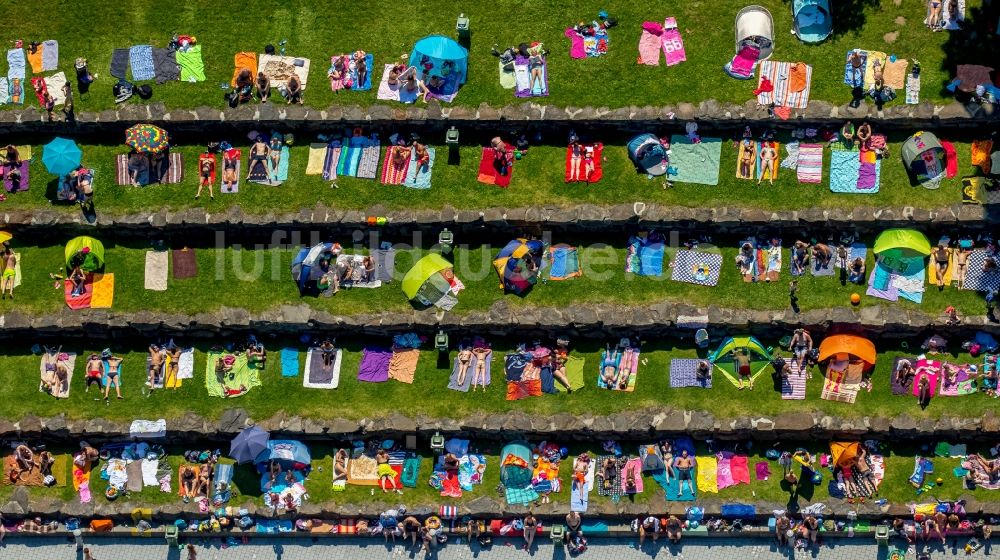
column 67, row 91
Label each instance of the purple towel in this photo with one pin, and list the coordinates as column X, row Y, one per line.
column 374, row 366
column 866, row 176
column 763, row 470
column 8, row 185
column 898, row 389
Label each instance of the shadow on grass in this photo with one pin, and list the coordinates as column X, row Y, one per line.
column 976, row 43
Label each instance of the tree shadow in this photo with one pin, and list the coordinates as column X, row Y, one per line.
column 976, row 43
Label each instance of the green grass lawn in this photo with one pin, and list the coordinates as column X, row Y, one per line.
column 258, row 280
column 355, row 399
column 707, row 29
column 246, row 482
column 538, row 179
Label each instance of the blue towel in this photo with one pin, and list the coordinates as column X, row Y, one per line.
column 423, row 180
column 369, row 61
column 281, row 174
column 854, row 77
column 577, row 502
column 141, row 59
column 737, row 510
column 670, row 488
column 16, row 64
column 651, row 260
column 289, row 362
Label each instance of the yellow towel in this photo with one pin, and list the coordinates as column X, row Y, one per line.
column 24, row 152
column 870, row 67
column 317, row 156
column 708, row 468
column 103, row 294
column 932, row 270
column 170, row 380
column 35, row 60
column 895, row 74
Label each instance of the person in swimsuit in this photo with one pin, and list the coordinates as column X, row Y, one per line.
column 864, row 136
column 530, row 530
column 263, row 87
column 156, row 358
column 274, row 154
column 961, row 264
column 608, row 472
column 822, row 254
column 230, row 161
column 55, row 371
column 340, row 465
column 747, row 160
column 482, row 354
column 609, row 368
column 935, row 525
column 810, row 528
column 386, row 474
column 400, row 156
column 942, row 258
column 174, row 352
column 205, row 172
column 95, row 371
column 112, row 365
column 329, row 352
column 800, row 257
column 742, row 360
column 801, row 345
column 9, row 272
column 683, row 465
column 11, row 156
column 934, row 15
column 856, row 271
column 361, row 67
column 576, row 156
column 393, row 79
column 464, row 360
column 558, row 362
column 768, row 155
column 189, row 482
column 422, row 157
column 336, row 71
column 258, row 156
column 79, row 279
column 673, row 528
column 905, row 372
column 536, row 65
column 847, row 132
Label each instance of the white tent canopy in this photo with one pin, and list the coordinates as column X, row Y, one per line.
column 755, row 25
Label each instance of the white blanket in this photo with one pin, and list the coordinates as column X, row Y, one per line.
column 54, row 84
column 185, row 365
column 149, row 472
column 148, row 428
column 275, row 62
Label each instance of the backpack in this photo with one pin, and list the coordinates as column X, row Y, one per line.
column 232, row 99
column 122, row 91
column 144, row 91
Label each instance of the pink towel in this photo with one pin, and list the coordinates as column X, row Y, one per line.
column 635, row 465
column 740, row 469
column 649, row 45
column 743, row 62
column 85, row 492
column 724, row 473
column 576, row 49
column 673, row 44
column 763, row 470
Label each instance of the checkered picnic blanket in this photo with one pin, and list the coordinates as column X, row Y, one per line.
column 615, row 489
column 683, row 373
column 975, row 278
column 841, row 386
column 686, row 264
column 794, row 387
column 521, row 496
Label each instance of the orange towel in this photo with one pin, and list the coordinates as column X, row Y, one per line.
column 35, row 60
column 981, row 150
column 798, row 77
column 403, row 364
column 80, row 476
column 243, row 60
column 102, row 291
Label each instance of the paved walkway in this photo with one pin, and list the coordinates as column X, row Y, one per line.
column 356, row 549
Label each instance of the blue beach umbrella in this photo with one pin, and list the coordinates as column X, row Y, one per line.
column 61, row 156
column 248, row 444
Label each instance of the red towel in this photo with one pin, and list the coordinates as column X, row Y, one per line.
column 951, row 158
column 488, row 171
column 596, row 174
column 81, row 301
column 39, row 93
column 739, row 469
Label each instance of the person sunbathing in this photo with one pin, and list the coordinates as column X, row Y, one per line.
column 800, row 257
column 400, row 156
column 78, row 279
column 630, row 479
column 961, row 264
column 703, row 373
column 856, row 271
column 667, row 452
column 95, row 372
column 609, row 367
column 112, row 365
column 464, row 360
column 576, row 157
column 205, row 172
column 189, row 482
column 421, row 157
column 263, row 87
column 386, row 474
column 747, row 159
column 581, row 466
column 768, row 155
column 24, row 457
column 950, row 374
column 684, row 464
column 482, row 354
column 256, row 355
column 942, row 258
column 412, row 85
column 336, row 71
column 394, row 72
column 156, row 358
column 258, row 156
column 57, row 379
column 230, row 162
column 174, row 353
column 340, row 465
column 588, row 162
column 360, row 69
column 904, row 373
column 294, row 90
column 558, row 363
column 924, row 392
column 274, row 153
column 536, row 65
column 608, row 472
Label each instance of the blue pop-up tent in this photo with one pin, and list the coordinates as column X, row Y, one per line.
column 812, row 21
column 437, row 55
column 309, row 265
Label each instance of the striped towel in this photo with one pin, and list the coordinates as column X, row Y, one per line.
column 794, row 387
column 810, row 163
column 141, row 60
column 394, row 174
column 350, row 155
column 368, row 164
column 778, row 73
column 330, row 163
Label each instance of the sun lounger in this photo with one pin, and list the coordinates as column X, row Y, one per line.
column 319, row 377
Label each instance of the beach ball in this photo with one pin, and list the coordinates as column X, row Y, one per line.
column 855, row 299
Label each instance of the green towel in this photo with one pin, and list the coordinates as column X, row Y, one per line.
column 574, row 373
column 942, row 450
column 236, row 383
column 192, row 67
column 960, row 472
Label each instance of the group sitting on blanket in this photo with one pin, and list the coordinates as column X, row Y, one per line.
column 344, row 66
column 28, row 461
column 336, row 271
column 146, row 167
column 78, row 186
column 247, row 85
column 196, row 481
column 535, row 53
column 540, row 357
column 403, row 147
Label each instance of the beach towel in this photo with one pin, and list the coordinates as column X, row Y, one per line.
column 743, row 62
column 632, row 472
column 963, row 384
column 645, row 254
column 16, row 65
column 374, row 366
column 842, row 385
column 4, row 91
column 626, row 370
column 708, row 468
column 695, row 163
column 279, row 69
column 972, row 75
column 50, row 55
column 234, row 155
column 794, row 386
column 507, row 79
column 523, row 79
column 976, row 278
column 672, row 487
column 912, row 89
column 192, row 68
column 809, row 164
column 349, row 80
column 368, row 160
column 35, row 59
column 8, row 182
column 316, row 376
column 393, row 174
column 141, row 61
column 854, row 172
column 650, row 44
column 185, row 366
column 185, row 265
column 574, row 374
column 238, row 381
column 350, row 155
column 119, row 63
column 317, row 157
column 156, row 270
column 33, row 477
column 672, row 43
column 746, row 160
column 245, row 60
column 596, row 154
column 762, row 470
column 102, row 291
column 932, row 275
column 165, row 65
column 897, row 388
column 684, row 373
column 873, row 59
column 951, row 159
column 330, row 160
column 488, row 172
column 894, row 73
column 953, row 21
column 289, row 362
column 419, row 176
column 563, row 262
column 464, row 386
column 175, row 169
column 981, row 150
column 931, row 369
column 696, row 267
column 81, row 301
column 732, row 470
column 133, row 472
column 40, row 88
column 596, row 44
column 791, row 81
column 579, row 500
column 54, row 84
column 70, row 364
column 576, row 47
column 855, row 77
